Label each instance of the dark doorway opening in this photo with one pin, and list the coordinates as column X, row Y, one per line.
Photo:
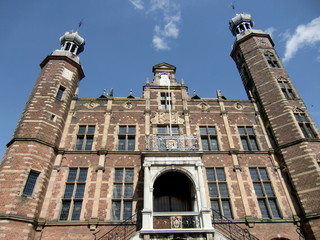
column 173, row 192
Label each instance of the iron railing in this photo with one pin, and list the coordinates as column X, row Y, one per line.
column 124, row 230
column 229, row 228
column 172, row 143
column 176, row 221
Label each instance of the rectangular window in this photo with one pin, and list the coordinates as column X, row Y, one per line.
column 248, row 139
column 272, row 60
column 218, row 192
column 305, row 125
column 286, row 89
column 209, row 138
column 165, row 130
column 31, row 183
column 122, row 194
column 73, row 194
column 85, row 138
column 165, row 101
column 60, row 92
column 126, row 138
column 264, row 192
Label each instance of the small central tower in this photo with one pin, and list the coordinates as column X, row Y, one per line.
column 290, row 128
column 27, row 164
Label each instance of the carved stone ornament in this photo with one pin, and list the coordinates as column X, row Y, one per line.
column 127, row 105
column 164, row 118
column 203, row 106
column 238, row 106
column 91, row 105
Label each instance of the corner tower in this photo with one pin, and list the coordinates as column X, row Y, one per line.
column 294, row 135
column 27, row 164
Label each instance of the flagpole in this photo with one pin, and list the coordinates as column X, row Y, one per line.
column 169, row 97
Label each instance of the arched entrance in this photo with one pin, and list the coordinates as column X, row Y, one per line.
column 173, row 192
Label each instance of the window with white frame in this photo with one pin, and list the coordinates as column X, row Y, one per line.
column 73, row 194
column 218, row 192
column 122, row 194
column 266, row 197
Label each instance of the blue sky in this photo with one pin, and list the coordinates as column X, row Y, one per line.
column 125, row 38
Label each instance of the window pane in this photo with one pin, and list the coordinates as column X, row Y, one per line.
column 241, row 131
column 213, row 190
column 303, row 118
column 89, row 143
column 264, row 174
column 223, row 190
column 122, row 130
column 214, row 144
column 69, row 190
column 245, row 145
column 226, row 209
column 311, row 133
column 253, row 142
column 250, row 131
column 79, row 143
column 203, row 131
column 175, row 130
column 220, row 174
column 116, row 210
column 215, row 206
column 129, row 175
column 210, row 174
column 212, row 130
column 117, row 190
column 274, row 208
column 205, row 144
column 131, row 144
column 118, row 175
column 162, row 130
column 80, row 190
column 91, row 130
column 258, row 189
column 128, row 190
column 72, row 174
column 131, row 130
column 65, row 210
column 127, row 211
column 83, row 174
column 60, row 93
column 30, row 184
column 268, row 189
column 82, row 130
column 122, row 143
column 76, row 210
column 263, row 208
column 254, row 174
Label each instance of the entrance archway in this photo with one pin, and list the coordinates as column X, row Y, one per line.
column 173, row 192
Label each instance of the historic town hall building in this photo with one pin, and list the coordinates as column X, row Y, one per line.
column 166, row 165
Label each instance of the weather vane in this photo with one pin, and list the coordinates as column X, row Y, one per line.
column 80, row 24
column 232, row 5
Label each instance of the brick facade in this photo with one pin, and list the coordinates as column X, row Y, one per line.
column 96, row 138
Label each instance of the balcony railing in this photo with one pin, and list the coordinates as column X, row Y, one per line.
column 176, row 221
column 171, row 143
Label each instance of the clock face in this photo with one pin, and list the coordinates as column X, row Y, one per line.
column 164, row 80
column 262, row 41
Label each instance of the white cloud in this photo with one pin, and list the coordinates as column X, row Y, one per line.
column 305, row 35
column 160, row 43
column 270, row 31
column 167, row 15
column 138, row 4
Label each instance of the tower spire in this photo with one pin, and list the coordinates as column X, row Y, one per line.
column 72, row 42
